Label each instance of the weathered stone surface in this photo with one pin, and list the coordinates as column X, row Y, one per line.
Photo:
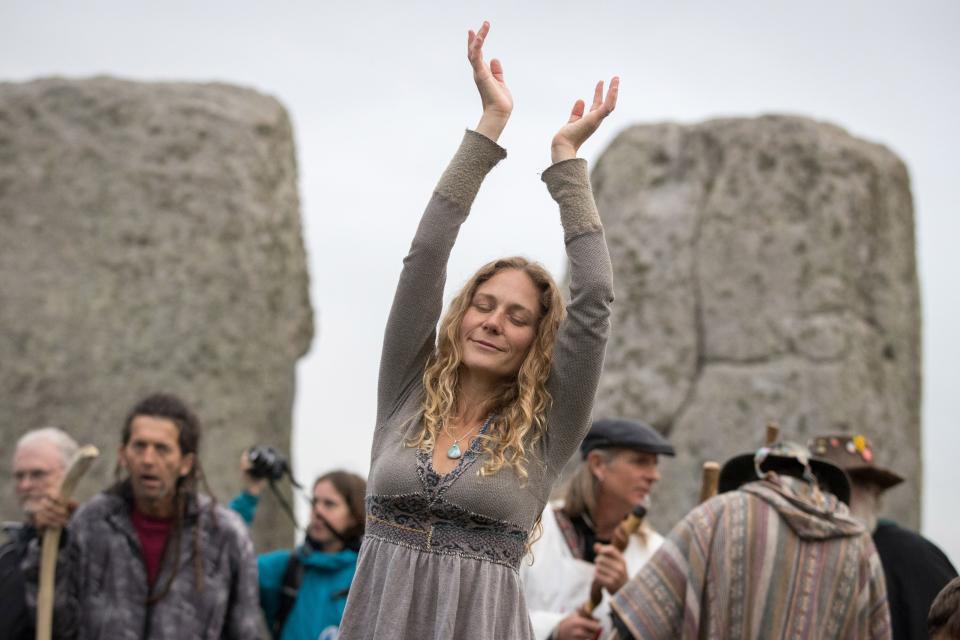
column 150, row 239
column 764, row 270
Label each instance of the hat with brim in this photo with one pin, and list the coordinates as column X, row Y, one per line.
column 854, row 454
column 742, row 469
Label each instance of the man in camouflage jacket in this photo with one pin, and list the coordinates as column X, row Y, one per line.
column 150, row 557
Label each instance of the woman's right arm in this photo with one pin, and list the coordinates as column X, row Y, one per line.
column 411, row 327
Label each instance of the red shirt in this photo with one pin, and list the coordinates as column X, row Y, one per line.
column 153, row 534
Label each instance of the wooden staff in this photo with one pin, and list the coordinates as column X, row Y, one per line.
column 51, row 543
column 621, row 538
column 709, row 480
column 773, row 434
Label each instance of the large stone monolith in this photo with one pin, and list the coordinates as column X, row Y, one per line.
column 764, row 270
column 150, row 239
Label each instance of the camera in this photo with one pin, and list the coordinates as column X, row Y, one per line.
column 267, row 462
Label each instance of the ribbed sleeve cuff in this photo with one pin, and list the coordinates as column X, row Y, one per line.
column 569, row 184
column 476, row 156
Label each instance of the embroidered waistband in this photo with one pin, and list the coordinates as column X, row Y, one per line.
column 440, row 527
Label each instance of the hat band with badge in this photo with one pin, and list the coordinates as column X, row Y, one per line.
column 854, row 454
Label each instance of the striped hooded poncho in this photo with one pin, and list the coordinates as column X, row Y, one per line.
column 770, row 560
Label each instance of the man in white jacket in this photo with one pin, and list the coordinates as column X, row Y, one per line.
column 618, row 470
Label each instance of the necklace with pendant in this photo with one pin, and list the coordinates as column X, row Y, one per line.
column 454, row 452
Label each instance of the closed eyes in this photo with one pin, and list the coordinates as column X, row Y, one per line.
column 517, row 314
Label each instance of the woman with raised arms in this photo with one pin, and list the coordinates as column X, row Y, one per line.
column 476, row 420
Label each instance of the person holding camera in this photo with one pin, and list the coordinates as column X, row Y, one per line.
column 303, row 591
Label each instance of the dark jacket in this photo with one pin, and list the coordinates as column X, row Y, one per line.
column 101, row 584
column 15, row 617
column 915, row 571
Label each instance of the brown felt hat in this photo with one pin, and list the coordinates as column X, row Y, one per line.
column 854, row 454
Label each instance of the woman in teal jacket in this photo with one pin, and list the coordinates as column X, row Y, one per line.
column 320, row 570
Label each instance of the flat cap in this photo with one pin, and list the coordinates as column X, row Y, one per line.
column 624, row 434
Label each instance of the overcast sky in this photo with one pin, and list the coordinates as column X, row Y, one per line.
column 379, row 94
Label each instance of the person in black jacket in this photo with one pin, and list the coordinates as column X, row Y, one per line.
column 39, row 461
column 915, row 569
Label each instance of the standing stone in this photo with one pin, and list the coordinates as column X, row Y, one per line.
column 150, row 239
column 764, row 270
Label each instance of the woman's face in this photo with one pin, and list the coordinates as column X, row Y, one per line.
column 628, row 477
column 328, row 503
column 500, row 324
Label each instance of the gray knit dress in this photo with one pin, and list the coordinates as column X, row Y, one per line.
column 441, row 554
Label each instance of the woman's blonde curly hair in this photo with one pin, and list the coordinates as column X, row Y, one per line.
column 520, row 406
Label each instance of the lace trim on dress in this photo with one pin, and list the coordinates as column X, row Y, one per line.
column 434, row 525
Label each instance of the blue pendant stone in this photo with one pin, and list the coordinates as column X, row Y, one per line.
column 454, row 451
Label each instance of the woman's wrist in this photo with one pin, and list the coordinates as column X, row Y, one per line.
column 560, row 151
column 492, row 124
column 253, row 486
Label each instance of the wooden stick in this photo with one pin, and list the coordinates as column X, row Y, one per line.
column 51, row 543
column 709, row 480
column 625, row 529
column 773, row 434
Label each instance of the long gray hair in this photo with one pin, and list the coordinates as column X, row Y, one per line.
column 580, row 496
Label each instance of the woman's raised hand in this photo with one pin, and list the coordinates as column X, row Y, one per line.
column 581, row 125
column 494, row 94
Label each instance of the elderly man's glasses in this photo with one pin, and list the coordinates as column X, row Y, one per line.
column 33, row 475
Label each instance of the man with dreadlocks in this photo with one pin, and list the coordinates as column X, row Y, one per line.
column 150, row 557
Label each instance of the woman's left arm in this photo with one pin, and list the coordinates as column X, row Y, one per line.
column 582, row 339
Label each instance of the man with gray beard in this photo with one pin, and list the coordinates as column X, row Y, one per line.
column 915, row 569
